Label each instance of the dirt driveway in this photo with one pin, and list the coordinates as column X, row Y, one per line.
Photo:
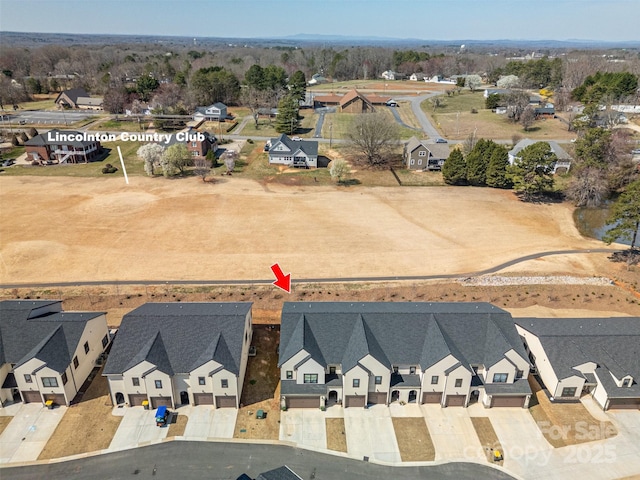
column 73, row 229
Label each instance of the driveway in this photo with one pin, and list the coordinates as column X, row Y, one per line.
column 370, row 433
column 452, row 433
column 138, row 427
column 29, row 431
column 206, row 422
column 304, row 427
column 426, row 125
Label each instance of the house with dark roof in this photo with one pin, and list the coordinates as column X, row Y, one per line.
column 357, row 354
column 421, row 155
column 198, row 143
column 46, row 353
column 215, row 112
column 295, row 153
column 181, row 353
column 564, row 159
column 63, row 146
column 78, row 98
column 280, row 473
column 578, row 356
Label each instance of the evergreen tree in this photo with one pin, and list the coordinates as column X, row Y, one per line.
column 287, row 120
column 298, row 85
column 497, row 169
column 478, row 161
column 625, row 216
column 531, row 173
column 454, row 170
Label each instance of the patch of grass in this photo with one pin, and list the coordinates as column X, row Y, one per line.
column 85, row 427
column 121, row 126
column 40, row 104
column 420, row 179
column 4, row 421
column 462, row 102
column 13, row 152
column 178, row 425
column 488, row 438
column 336, row 438
column 407, row 116
column 565, row 424
column 414, row 440
column 336, row 125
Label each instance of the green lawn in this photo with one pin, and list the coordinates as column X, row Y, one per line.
column 121, row 126
column 463, row 102
column 268, row 129
column 47, row 104
column 13, row 152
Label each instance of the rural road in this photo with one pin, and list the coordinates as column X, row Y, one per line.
column 426, row 125
column 487, row 271
column 227, row 461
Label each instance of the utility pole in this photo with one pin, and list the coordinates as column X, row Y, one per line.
column 330, row 133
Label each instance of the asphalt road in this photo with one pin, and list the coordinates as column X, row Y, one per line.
column 43, row 117
column 445, row 276
column 227, row 461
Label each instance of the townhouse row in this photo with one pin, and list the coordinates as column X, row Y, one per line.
column 330, row 353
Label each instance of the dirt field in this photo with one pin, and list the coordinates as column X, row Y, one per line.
column 488, row 438
column 414, row 441
column 87, row 426
column 178, row 425
column 72, row 229
column 4, row 421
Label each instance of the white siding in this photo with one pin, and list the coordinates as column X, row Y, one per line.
column 569, row 382
column 377, row 369
column 600, row 395
column 359, row 373
column 542, row 363
column 5, row 394
column 502, row 366
column 94, row 332
column 116, row 385
column 36, row 380
column 450, row 385
column 289, row 364
column 309, row 367
column 438, row 370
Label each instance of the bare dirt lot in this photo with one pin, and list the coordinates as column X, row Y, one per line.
column 336, row 438
column 74, row 229
column 414, row 440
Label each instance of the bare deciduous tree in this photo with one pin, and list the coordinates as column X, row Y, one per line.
column 372, row 136
column 202, row 168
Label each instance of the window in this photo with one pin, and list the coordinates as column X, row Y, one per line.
column 434, row 380
column 422, row 153
column 310, row 378
column 27, row 378
column 289, row 374
column 75, row 362
column 64, row 378
column 500, row 377
column 224, row 383
column 195, row 154
column 136, row 381
column 569, row 392
column 49, row 382
column 201, row 381
column 158, row 383
column 458, row 382
column 194, row 144
column 395, row 370
column 332, row 370
column 519, row 374
column 626, row 382
column 356, row 382
column 413, row 161
column 378, row 380
column 105, row 340
column 86, row 347
column 419, row 161
column 412, row 370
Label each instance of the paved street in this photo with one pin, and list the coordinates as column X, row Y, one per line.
column 27, row 434
column 47, row 116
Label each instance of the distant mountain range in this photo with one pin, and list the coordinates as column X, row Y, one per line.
column 34, row 39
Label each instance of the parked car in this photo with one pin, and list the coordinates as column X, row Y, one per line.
column 635, row 151
column 392, row 103
column 8, row 162
column 441, row 140
column 296, row 139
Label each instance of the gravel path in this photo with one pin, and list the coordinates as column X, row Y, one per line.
column 496, row 281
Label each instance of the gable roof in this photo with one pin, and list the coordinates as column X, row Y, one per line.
column 555, row 148
column 308, row 147
column 89, row 101
column 179, row 337
column 280, row 473
column 42, row 139
column 422, row 333
column 353, row 95
column 612, row 343
column 437, row 150
column 51, row 336
column 72, row 94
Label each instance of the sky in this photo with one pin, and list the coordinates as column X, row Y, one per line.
column 609, row 20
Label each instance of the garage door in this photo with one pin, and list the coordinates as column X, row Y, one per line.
column 160, row 401
column 225, row 402
column 455, row 400
column 378, row 398
column 303, row 402
column 625, row 403
column 31, row 397
column 57, row 399
column 514, row 401
column 354, row 401
column 203, row 399
column 432, row 397
column 136, row 399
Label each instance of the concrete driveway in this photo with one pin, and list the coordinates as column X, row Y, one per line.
column 305, row 427
column 208, row 422
column 370, row 433
column 27, row 434
column 452, row 433
column 137, row 428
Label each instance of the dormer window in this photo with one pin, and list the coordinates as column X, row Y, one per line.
column 412, row 370
column 395, row 370
column 626, row 382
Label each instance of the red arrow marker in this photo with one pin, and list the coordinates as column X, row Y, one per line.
column 282, row 281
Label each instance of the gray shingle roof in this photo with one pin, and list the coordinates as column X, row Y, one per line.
column 52, row 337
column 519, row 387
column 309, row 147
column 42, row 139
column 178, row 337
column 612, row 343
column 280, row 473
column 402, row 333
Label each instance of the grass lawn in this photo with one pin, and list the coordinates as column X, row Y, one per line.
column 85, row 427
column 261, row 388
column 40, row 103
column 120, row 126
column 13, row 152
column 565, row 424
column 407, row 116
column 488, row 438
column 6, row 420
column 413, row 438
column 178, row 424
column 463, row 102
column 411, row 178
column 268, row 129
column 336, row 438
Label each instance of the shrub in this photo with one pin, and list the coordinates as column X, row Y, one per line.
column 249, row 141
column 473, row 110
column 108, row 168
